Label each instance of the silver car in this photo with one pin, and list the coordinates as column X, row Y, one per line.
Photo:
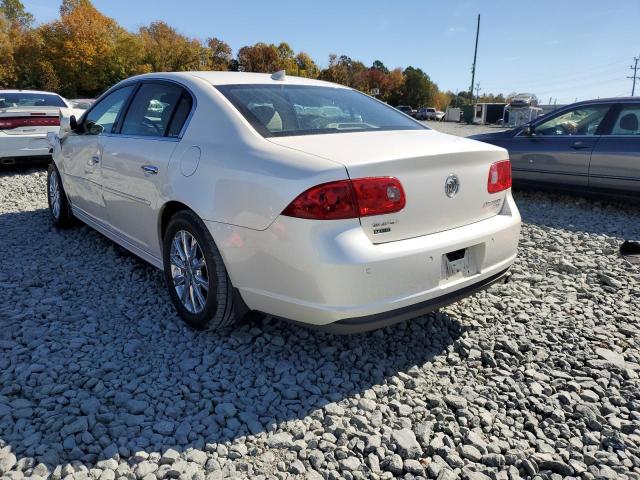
column 591, row 146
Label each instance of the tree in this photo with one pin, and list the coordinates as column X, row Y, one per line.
column 260, row 58
column 86, row 50
column 305, row 65
column 218, row 54
column 345, row 71
column 166, row 50
column 418, row 89
column 15, row 13
column 7, row 64
column 378, row 65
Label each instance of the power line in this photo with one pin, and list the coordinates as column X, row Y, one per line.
column 634, row 67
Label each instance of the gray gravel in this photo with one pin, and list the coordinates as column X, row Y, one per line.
column 538, row 378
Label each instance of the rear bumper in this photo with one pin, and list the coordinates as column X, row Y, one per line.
column 321, row 273
column 378, row 320
column 19, row 147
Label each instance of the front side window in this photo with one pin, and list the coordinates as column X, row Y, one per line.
column 103, row 115
column 152, row 110
column 27, row 99
column 628, row 121
column 579, row 121
column 285, row 110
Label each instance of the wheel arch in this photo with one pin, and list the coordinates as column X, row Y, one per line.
column 167, row 211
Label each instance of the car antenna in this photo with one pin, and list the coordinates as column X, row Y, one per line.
column 280, row 76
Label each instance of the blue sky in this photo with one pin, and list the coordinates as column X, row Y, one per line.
column 556, row 49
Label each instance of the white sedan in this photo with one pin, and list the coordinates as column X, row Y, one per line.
column 26, row 116
column 287, row 196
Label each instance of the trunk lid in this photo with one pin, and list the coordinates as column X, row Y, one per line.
column 29, row 120
column 423, row 161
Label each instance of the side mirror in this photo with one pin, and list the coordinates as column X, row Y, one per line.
column 528, row 131
column 73, row 123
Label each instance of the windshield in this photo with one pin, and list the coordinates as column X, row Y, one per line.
column 20, row 99
column 286, row 110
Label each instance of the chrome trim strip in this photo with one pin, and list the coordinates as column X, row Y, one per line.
column 141, row 200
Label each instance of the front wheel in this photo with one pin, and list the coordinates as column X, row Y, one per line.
column 59, row 207
column 195, row 274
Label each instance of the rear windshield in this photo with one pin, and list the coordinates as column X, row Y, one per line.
column 286, row 110
column 10, row 100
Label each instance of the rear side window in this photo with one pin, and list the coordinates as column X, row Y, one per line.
column 152, row 110
column 628, row 121
column 180, row 116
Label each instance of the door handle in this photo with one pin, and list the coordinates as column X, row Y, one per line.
column 95, row 159
column 580, row 145
column 152, row 169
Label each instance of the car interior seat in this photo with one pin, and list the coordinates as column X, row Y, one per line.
column 629, row 124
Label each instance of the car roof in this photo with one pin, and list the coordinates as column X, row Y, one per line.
column 234, row 78
column 39, row 92
column 607, row 100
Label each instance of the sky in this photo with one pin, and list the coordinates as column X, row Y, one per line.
column 559, row 50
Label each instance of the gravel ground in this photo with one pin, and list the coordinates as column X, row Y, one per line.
column 538, row 378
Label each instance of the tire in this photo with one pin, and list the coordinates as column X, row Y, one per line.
column 59, row 207
column 217, row 310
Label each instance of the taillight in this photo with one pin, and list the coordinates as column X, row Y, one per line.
column 342, row 199
column 16, row 122
column 499, row 176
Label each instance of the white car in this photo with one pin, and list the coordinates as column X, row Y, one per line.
column 252, row 197
column 26, row 116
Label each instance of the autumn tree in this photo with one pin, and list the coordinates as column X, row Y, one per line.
column 218, row 54
column 7, row 65
column 344, row 70
column 87, row 50
column 260, row 57
column 166, row 50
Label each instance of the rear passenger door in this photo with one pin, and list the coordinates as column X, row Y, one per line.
column 136, row 158
column 615, row 162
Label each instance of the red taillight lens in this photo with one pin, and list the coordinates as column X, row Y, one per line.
column 329, row 201
column 16, row 122
column 499, row 176
column 378, row 195
column 342, row 199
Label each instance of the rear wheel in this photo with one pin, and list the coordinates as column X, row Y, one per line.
column 59, row 207
column 195, row 274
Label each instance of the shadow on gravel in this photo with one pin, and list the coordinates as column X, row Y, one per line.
column 94, row 363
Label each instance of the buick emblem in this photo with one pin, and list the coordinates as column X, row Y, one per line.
column 451, row 186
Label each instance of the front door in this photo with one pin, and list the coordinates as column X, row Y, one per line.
column 82, row 154
column 559, row 148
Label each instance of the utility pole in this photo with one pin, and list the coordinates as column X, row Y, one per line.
column 475, row 56
column 634, row 67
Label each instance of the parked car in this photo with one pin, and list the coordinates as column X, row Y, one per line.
column 429, row 113
column 407, row 109
column 25, row 118
column 82, row 103
column 591, row 146
column 251, row 195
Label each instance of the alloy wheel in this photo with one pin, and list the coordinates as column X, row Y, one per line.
column 54, row 194
column 189, row 271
